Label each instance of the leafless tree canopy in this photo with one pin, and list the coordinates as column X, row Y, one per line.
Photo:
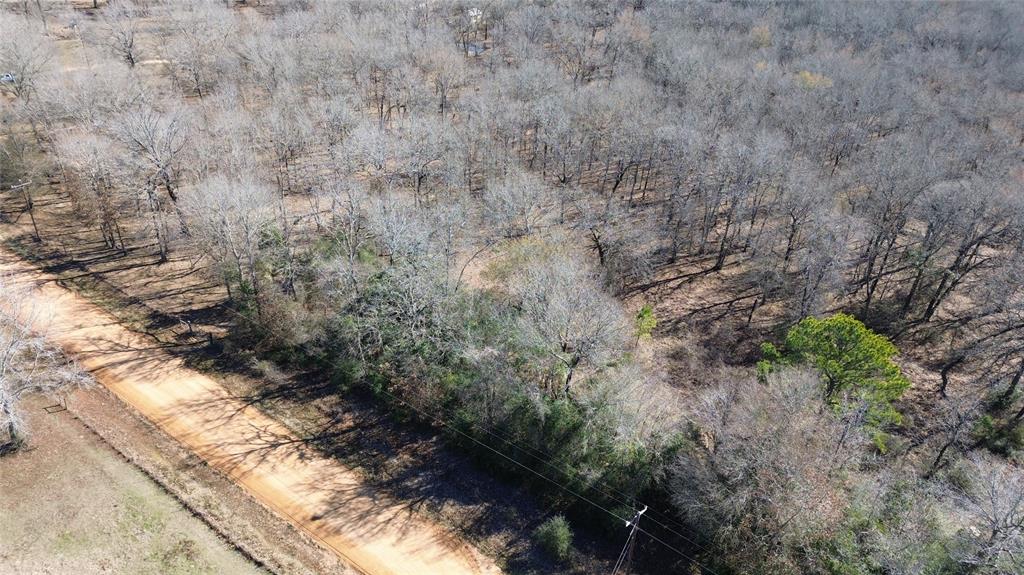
column 28, row 363
column 467, row 206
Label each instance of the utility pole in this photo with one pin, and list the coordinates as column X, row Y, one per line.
column 627, row 550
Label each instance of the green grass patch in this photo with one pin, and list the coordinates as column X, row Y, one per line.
column 139, row 518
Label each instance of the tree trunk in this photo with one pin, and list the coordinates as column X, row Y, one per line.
column 568, row 376
column 31, row 207
column 913, row 288
column 598, row 246
column 1012, row 389
column 944, row 373
column 161, row 240
column 872, row 284
column 938, row 461
column 14, row 438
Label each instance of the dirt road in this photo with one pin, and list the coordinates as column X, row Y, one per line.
column 378, row 535
column 72, row 504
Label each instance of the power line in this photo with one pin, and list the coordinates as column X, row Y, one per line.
column 539, row 456
column 546, row 478
column 424, row 413
column 532, row 452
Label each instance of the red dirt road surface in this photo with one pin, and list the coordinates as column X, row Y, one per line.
column 378, row 535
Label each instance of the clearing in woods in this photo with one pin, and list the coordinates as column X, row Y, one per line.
column 377, row 535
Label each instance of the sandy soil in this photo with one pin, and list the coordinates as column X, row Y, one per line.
column 277, row 545
column 71, row 504
column 321, row 496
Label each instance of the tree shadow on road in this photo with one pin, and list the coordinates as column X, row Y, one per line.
column 401, row 461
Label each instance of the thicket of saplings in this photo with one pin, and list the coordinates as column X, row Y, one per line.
column 442, row 202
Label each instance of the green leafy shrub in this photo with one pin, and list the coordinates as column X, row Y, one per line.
column 555, row 537
column 645, row 323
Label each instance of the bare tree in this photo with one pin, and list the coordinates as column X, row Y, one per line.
column 993, row 499
column 765, row 476
column 24, row 57
column 120, row 28
column 95, row 161
column 159, row 138
column 200, row 32
column 348, row 225
column 567, row 316
column 960, row 415
column 229, row 217
column 448, row 69
column 28, row 364
column 515, row 203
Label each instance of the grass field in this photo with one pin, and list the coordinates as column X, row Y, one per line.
column 71, row 504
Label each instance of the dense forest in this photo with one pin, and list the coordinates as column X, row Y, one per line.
column 758, row 266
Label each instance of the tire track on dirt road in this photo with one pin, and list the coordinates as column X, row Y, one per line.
column 378, row 535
